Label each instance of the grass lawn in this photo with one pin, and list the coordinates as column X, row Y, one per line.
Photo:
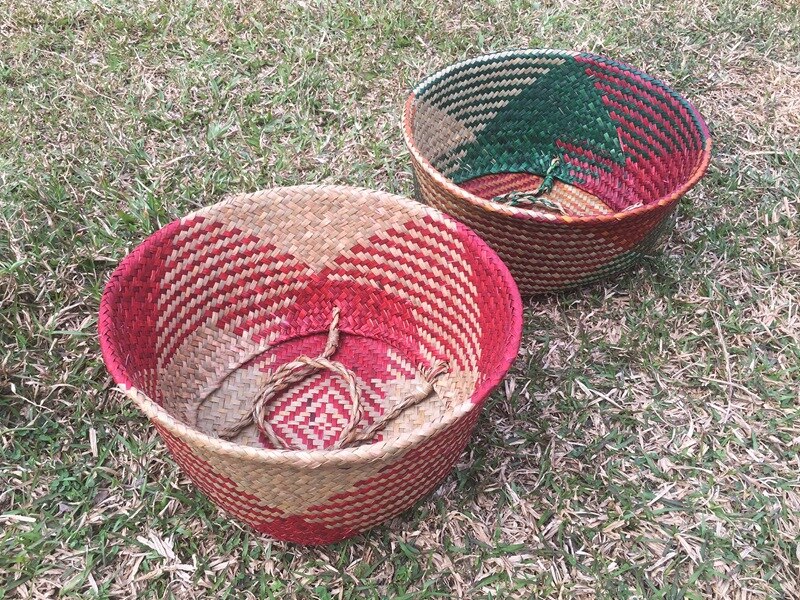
column 646, row 442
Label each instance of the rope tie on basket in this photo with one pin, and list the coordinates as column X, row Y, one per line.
column 533, row 198
column 304, row 366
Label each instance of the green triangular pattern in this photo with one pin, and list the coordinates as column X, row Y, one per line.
column 561, row 105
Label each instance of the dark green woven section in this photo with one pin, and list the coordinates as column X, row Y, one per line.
column 522, row 136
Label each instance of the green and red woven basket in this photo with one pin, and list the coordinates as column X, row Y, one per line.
column 570, row 165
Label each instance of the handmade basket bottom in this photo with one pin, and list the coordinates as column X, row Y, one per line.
column 572, row 200
column 312, row 414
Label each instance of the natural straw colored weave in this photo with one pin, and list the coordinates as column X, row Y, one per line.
column 197, row 321
column 619, row 149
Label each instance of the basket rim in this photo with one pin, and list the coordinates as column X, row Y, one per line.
column 313, row 458
column 539, row 216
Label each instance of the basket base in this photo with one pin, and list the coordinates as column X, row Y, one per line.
column 572, row 200
column 312, row 414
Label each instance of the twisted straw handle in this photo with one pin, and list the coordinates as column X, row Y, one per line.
column 303, row 366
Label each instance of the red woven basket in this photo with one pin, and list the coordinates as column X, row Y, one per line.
column 341, row 340
column 569, row 164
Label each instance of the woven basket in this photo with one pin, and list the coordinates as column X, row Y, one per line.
column 569, row 164
column 211, row 327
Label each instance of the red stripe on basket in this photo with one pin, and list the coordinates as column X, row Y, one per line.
column 500, row 315
column 297, row 529
column 612, row 187
column 209, row 255
column 682, row 122
column 422, row 276
column 623, row 186
column 420, row 467
column 460, row 290
column 620, row 102
column 215, row 241
column 398, row 238
column 185, row 245
column 654, row 151
column 251, row 261
column 312, row 303
column 640, row 171
column 404, row 242
column 499, row 340
column 286, row 415
column 631, row 79
column 128, row 332
column 437, row 232
column 664, row 168
column 670, row 169
column 424, row 322
column 424, row 268
column 220, row 489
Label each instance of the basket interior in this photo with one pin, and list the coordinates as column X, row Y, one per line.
column 497, row 123
column 265, row 271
